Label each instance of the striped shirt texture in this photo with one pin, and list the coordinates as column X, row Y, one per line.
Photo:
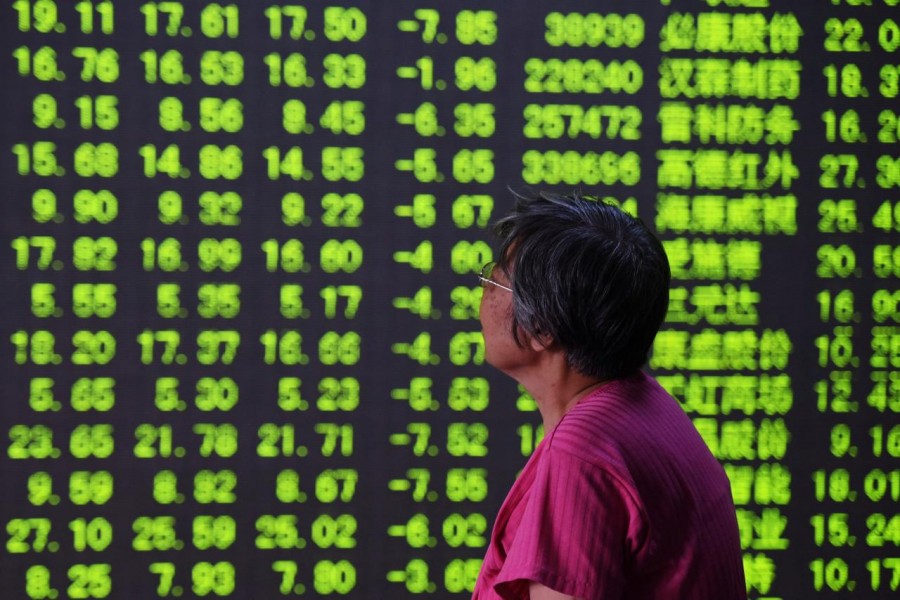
column 622, row 500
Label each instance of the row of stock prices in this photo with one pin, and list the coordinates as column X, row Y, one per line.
column 240, row 347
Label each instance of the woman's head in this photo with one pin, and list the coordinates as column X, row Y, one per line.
column 587, row 277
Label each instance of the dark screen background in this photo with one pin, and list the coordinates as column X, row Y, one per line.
column 793, row 379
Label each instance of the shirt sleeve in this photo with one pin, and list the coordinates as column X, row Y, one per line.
column 572, row 536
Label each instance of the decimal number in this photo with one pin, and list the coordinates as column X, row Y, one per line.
column 99, row 111
column 335, row 395
column 95, row 535
column 85, row 487
column 98, row 64
column 216, row 208
column 339, row 117
column 212, row 394
column 38, row 347
column 207, row 578
column 213, row 346
column 338, row 24
column 214, row 162
column 42, row 16
column 836, row 486
column 87, row 581
column 88, row 207
column 281, row 440
column 215, row 115
column 339, row 70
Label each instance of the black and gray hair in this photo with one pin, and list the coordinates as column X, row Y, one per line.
column 587, row 276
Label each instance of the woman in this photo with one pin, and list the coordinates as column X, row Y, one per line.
column 622, row 499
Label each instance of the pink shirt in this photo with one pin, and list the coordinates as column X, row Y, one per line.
column 621, row 501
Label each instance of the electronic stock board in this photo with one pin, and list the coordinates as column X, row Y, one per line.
column 240, row 349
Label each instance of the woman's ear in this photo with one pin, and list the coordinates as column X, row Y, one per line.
column 541, row 342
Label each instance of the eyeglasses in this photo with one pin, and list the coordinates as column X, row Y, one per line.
column 485, row 276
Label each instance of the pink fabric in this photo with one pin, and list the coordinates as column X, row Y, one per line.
column 622, row 500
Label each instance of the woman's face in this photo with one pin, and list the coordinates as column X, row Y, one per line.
column 501, row 350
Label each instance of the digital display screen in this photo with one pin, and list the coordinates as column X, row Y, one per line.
column 241, row 355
